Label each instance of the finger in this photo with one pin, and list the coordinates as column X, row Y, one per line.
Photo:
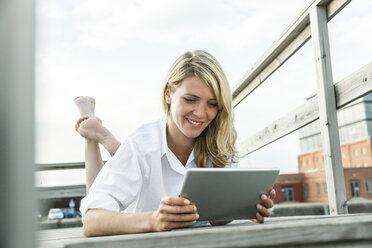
column 263, row 211
column 173, row 225
column 259, row 218
column 254, row 220
column 272, row 194
column 174, row 209
column 183, row 224
column 267, row 201
column 166, row 217
column 175, row 201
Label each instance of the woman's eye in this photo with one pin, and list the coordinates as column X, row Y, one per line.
column 189, row 100
column 213, row 105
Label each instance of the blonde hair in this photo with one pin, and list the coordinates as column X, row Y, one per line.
column 217, row 141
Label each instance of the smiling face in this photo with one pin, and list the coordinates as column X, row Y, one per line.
column 193, row 106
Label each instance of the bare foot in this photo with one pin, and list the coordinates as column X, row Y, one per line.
column 91, row 128
column 86, row 105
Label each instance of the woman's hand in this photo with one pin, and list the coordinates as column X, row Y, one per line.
column 262, row 209
column 173, row 212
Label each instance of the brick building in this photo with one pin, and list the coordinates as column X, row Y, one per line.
column 355, row 129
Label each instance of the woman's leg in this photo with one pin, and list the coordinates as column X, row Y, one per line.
column 91, row 128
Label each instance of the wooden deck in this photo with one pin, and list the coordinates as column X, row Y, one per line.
column 352, row 230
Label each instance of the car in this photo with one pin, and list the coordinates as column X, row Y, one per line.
column 77, row 214
column 68, row 212
column 55, row 214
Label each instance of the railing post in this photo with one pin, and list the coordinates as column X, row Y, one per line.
column 17, row 202
column 328, row 112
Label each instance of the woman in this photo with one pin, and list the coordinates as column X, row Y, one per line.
column 144, row 176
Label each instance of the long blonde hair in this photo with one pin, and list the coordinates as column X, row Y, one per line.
column 217, row 141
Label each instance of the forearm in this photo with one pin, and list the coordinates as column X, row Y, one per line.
column 93, row 162
column 99, row 222
column 111, row 144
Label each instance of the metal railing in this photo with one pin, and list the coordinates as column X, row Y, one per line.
column 312, row 22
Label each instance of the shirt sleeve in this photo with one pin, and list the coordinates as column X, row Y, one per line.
column 118, row 183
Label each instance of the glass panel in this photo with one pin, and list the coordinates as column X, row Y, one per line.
column 354, row 188
column 369, row 185
column 318, row 189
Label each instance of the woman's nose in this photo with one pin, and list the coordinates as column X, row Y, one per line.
column 200, row 110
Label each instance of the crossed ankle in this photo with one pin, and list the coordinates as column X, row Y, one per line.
column 110, row 143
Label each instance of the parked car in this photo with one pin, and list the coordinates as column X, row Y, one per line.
column 55, row 214
column 68, row 212
column 77, row 214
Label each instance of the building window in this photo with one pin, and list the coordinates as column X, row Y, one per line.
column 318, row 189
column 325, row 188
column 318, row 160
column 343, row 155
column 364, row 151
column 303, row 163
column 354, row 184
column 355, row 153
column 288, row 194
column 307, row 192
column 369, row 185
column 308, row 162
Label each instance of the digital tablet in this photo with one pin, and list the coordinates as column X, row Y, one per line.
column 227, row 194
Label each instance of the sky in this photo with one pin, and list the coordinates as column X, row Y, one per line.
column 119, row 52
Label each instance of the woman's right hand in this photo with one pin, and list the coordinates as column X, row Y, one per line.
column 173, row 212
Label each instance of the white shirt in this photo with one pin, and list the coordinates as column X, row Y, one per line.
column 140, row 174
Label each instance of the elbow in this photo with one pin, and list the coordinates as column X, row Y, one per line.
column 87, row 233
column 88, row 226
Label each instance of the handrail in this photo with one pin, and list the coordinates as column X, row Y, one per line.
column 347, row 90
column 60, row 166
column 292, row 39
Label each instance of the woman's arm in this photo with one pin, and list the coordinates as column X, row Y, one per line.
column 93, row 162
column 173, row 212
column 99, row 222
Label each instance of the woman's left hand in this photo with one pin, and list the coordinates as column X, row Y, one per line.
column 263, row 208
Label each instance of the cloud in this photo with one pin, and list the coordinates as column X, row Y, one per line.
column 231, row 25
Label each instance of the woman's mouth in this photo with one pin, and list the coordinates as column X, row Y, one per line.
column 194, row 123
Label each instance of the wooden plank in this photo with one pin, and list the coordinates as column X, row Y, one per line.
column 293, row 38
column 294, row 231
column 354, row 86
column 298, row 118
column 347, row 90
column 328, row 113
column 60, row 166
column 58, row 192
